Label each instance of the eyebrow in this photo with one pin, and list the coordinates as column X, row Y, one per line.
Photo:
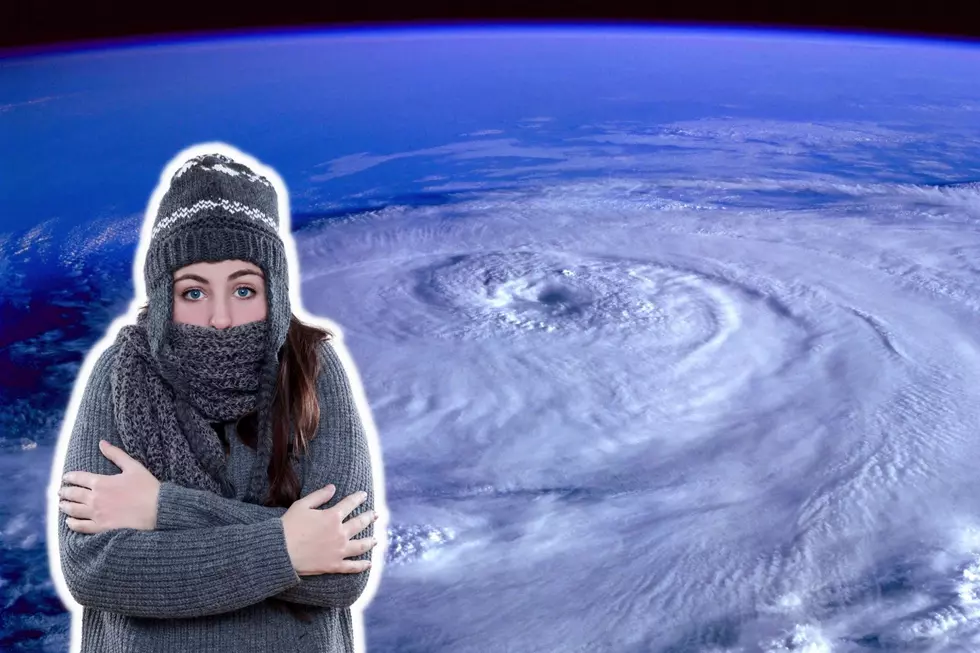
column 232, row 276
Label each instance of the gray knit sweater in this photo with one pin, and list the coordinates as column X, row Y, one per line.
column 201, row 581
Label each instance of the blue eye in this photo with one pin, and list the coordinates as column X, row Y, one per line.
column 243, row 292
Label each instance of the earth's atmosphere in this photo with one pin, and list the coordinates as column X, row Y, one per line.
column 670, row 337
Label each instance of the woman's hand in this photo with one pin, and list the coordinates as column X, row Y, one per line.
column 318, row 541
column 106, row 502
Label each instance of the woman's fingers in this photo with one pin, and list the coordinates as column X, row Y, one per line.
column 357, row 524
column 353, row 566
column 79, row 515
column 319, row 497
column 360, row 546
column 72, row 493
column 85, row 479
column 346, row 505
column 81, row 525
column 77, row 510
column 365, row 544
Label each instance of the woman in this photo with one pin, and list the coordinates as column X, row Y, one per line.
column 232, row 423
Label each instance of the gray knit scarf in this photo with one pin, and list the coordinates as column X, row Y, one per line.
column 164, row 405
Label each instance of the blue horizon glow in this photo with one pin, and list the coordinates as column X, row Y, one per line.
column 550, row 28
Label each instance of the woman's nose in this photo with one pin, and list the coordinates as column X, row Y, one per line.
column 221, row 316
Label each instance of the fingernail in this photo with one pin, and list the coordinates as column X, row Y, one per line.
column 376, row 515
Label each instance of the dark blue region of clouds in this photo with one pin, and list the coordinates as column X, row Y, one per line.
column 52, row 310
column 51, row 318
column 32, row 617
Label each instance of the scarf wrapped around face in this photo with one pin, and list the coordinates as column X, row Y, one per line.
column 165, row 404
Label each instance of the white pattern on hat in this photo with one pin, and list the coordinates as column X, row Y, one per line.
column 217, row 162
column 220, row 167
column 229, row 205
column 225, row 169
column 187, row 166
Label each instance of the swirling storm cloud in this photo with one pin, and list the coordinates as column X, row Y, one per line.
column 676, row 422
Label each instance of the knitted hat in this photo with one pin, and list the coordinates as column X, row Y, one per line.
column 218, row 209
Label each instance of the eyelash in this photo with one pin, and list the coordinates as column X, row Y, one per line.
column 185, row 298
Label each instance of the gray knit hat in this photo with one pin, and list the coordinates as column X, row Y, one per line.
column 218, row 209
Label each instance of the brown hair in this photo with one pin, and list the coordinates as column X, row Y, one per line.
column 295, row 401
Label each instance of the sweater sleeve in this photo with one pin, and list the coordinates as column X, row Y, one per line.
column 166, row 575
column 339, row 454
